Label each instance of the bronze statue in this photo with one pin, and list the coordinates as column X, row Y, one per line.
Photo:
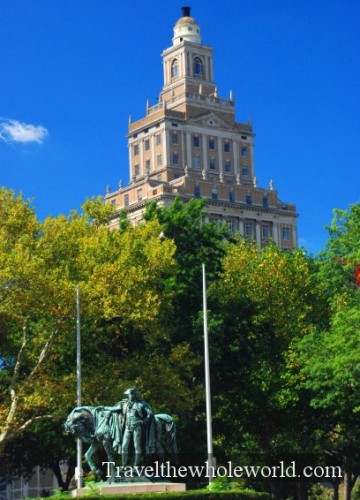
column 138, row 426
column 114, row 428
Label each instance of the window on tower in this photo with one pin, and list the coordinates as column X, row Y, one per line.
column 227, row 147
column 212, row 164
column 198, row 67
column 174, row 68
column 211, row 144
column 174, row 138
column 175, row 159
column 227, row 166
column 232, row 225
column 249, row 229
column 196, row 161
column 285, row 233
column 196, row 141
column 265, row 230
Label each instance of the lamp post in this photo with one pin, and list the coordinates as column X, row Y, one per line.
column 79, row 471
column 207, row 383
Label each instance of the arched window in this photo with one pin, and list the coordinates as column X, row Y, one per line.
column 174, row 68
column 198, row 67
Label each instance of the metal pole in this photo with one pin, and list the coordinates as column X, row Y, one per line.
column 79, row 473
column 207, row 382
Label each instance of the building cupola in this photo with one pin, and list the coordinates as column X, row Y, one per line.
column 186, row 29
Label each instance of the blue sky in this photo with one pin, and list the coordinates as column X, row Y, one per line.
column 72, row 71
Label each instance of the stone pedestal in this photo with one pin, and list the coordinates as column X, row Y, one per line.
column 130, row 487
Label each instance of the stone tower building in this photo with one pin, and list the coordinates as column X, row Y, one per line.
column 190, row 145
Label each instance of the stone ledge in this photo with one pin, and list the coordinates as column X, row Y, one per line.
column 132, row 488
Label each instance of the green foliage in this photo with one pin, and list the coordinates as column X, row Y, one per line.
column 45, row 445
column 330, row 364
column 344, row 233
column 355, row 494
column 91, row 483
column 196, row 242
column 328, row 357
column 58, row 495
column 198, row 494
column 283, row 331
column 341, row 253
column 320, row 492
column 331, row 360
column 97, row 211
column 121, row 278
column 262, row 302
column 124, row 223
column 220, row 484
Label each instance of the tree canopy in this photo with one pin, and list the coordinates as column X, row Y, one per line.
column 283, row 330
column 121, row 280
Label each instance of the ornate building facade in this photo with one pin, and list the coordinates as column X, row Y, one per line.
column 190, row 145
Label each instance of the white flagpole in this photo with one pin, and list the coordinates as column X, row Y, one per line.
column 79, row 473
column 207, row 383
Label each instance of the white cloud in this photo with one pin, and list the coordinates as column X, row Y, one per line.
column 15, row 131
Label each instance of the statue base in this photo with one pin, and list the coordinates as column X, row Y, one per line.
column 141, row 485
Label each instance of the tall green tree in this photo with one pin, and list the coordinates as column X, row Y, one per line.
column 341, row 255
column 121, row 278
column 263, row 301
column 328, row 357
column 330, row 371
column 197, row 242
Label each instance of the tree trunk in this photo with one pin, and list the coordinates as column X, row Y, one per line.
column 347, row 485
column 2, row 444
column 302, row 490
column 57, row 472
column 70, row 473
column 5, row 438
column 64, row 485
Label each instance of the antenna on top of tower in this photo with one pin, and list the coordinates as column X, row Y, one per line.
column 186, row 11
